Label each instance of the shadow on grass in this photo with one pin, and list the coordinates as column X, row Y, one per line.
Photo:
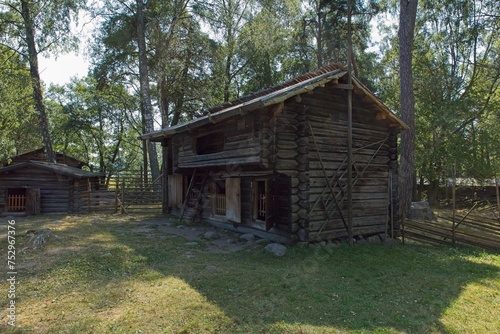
column 366, row 288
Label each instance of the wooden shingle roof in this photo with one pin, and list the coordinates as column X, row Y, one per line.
column 61, row 169
column 274, row 95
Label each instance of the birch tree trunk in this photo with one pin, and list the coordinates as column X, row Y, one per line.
column 35, row 81
column 407, row 17
column 147, row 107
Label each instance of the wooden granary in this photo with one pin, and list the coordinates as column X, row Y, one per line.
column 30, row 186
column 274, row 163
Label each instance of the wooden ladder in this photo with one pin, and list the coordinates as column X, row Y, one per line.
column 195, row 189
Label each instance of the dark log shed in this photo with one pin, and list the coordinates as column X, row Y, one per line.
column 34, row 187
column 274, row 163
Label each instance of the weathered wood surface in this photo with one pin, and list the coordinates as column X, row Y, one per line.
column 39, row 155
column 242, row 145
column 279, row 141
column 326, row 112
column 99, row 201
column 472, row 232
column 54, row 189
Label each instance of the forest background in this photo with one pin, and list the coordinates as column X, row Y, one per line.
column 157, row 63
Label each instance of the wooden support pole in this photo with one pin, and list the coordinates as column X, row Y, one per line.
column 166, row 171
column 123, row 196
column 497, row 187
column 453, row 198
column 116, row 193
column 349, row 124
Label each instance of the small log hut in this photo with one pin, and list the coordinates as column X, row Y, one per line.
column 274, row 163
column 33, row 187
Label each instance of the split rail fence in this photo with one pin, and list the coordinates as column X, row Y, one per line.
column 124, row 193
column 479, row 227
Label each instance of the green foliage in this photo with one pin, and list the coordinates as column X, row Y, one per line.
column 97, row 125
column 51, row 20
column 456, row 80
column 17, row 115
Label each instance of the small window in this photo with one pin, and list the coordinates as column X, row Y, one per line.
column 212, row 143
column 16, row 200
column 220, row 198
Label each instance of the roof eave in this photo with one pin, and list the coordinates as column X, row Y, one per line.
column 396, row 121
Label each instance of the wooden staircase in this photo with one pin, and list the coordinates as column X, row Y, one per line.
column 194, row 194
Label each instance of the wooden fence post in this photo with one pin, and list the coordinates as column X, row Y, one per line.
column 497, row 187
column 90, row 196
column 123, row 196
column 117, row 183
column 453, row 196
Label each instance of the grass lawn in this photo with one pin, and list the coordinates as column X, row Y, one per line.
column 124, row 274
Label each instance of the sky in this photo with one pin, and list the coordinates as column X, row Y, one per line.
column 60, row 71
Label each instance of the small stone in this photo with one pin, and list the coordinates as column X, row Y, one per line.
column 374, row 239
column 276, row 249
column 391, row 241
column 303, row 234
column 360, row 240
column 211, row 267
column 263, row 242
column 191, row 243
column 247, row 237
column 211, row 235
column 181, row 227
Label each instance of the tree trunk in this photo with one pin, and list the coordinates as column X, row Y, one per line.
column 433, row 192
column 407, row 17
column 35, row 82
column 319, row 35
column 147, row 108
column 163, row 101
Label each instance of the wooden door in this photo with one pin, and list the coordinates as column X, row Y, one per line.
column 233, row 199
column 33, row 206
column 278, row 201
column 175, row 191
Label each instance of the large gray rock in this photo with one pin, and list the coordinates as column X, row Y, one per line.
column 276, row 249
column 421, row 211
column 248, row 237
column 211, row 235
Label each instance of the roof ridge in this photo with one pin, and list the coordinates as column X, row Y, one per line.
column 265, row 91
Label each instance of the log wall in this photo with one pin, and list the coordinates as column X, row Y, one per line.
column 241, row 145
column 57, row 193
column 311, row 141
column 54, row 190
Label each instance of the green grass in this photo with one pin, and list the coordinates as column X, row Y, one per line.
column 101, row 276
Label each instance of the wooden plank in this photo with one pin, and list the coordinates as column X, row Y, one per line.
column 175, row 188
column 233, row 199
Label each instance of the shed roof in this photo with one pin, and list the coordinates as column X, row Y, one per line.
column 61, row 157
column 60, row 169
column 274, row 95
